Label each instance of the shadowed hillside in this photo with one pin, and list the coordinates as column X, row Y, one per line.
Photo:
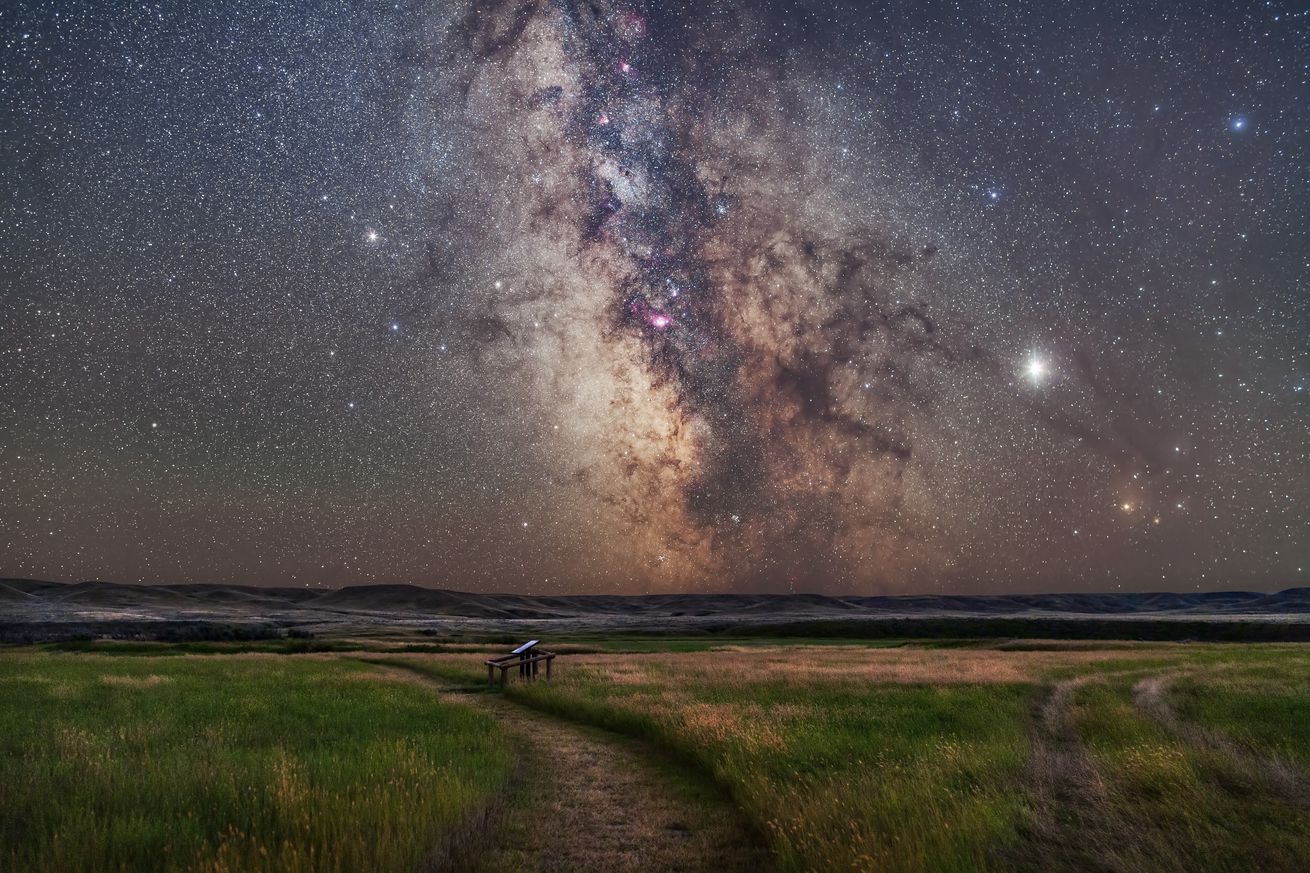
column 35, row 610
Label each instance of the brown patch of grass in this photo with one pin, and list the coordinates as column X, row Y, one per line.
column 122, row 681
column 860, row 664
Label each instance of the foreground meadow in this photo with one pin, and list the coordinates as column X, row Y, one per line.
column 247, row 762
column 1105, row 756
column 895, row 756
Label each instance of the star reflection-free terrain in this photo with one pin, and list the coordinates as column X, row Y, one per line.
column 633, row 297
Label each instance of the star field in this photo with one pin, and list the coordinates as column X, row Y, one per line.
column 629, row 297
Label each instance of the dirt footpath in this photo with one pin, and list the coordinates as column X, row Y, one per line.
column 589, row 800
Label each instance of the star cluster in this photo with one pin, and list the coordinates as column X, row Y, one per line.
column 630, row 297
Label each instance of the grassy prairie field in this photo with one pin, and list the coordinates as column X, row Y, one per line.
column 1110, row 756
column 248, row 762
column 951, row 755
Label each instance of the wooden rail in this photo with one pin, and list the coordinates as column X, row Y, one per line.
column 526, row 657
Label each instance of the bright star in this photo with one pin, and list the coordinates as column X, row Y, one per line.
column 1036, row 368
column 1237, row 124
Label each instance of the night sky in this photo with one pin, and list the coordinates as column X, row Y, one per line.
column 624, row 297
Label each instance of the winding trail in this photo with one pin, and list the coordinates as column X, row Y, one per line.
column 1254, row 770
column 1076, row 825
column 587, row 800
column 1073, row 822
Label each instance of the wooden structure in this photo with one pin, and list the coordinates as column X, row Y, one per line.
column 526, row 657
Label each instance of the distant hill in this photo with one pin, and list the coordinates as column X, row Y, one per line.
column 29, row 598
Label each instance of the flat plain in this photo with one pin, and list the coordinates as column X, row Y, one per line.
column 888, row 755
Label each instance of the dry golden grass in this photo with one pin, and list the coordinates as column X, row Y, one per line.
column 149, row 681
column 856, row 664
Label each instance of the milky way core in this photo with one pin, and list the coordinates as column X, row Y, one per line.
column 743, row 358
column 658, row 297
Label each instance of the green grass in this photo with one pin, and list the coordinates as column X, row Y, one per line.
column 1261, row 702
column 938, row 773
column 467, row 673
column 838, row 775
column 246, row 763
column 892, row 756
column 277, row 646
column 154, row 649
column 1186, row 805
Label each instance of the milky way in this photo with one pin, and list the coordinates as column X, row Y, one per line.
column 631, row 297
column 771, row 348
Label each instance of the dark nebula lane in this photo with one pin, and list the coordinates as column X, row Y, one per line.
column 788, row 355
column 612, row 296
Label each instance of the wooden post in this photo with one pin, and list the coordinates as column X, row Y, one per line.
column 504, row 672
column 491, row 675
